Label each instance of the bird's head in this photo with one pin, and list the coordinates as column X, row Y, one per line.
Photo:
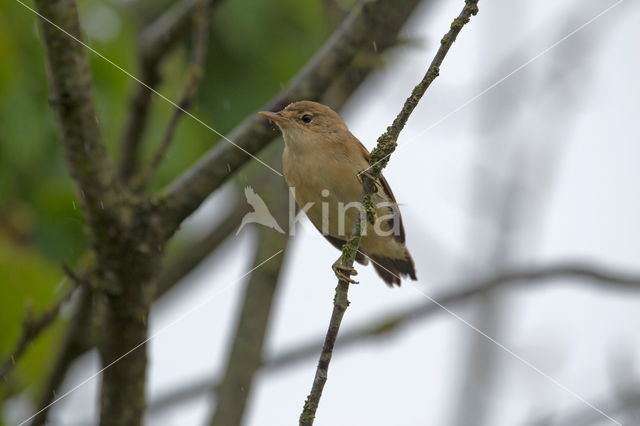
column 305, row 121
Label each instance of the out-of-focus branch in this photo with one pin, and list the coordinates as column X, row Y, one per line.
column 79, row 337
column 513, row 174
column 362, row 25
column 72, row 98
column 155, row 42
column 189, row 257
column 76, row 342
column 245, row 356
column 195, row 72
column 111, row 213
column 34, row 325
column 379, row 158
column 582, row 273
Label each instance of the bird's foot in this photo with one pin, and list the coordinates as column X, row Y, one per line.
column 344, row 272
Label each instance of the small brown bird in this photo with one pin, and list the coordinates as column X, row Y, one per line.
column 322, row 161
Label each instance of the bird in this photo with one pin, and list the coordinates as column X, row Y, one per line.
column 260, row 214
column 322, row 165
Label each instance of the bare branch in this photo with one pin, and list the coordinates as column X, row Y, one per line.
column 379, row 159
column 245, row 355
column 387, row 141
column 579, row 273
column 33, row 325
column 195, row 72
column 340, row 305
column 177, row 267
column 72, row 97
column 77, row 339
column 155, row 42
column 362, row 25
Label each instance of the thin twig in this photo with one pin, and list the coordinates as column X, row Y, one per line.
column 379, row 158
column 387, row 141
column 200, row 38
column 156, row 41
column 33, row 326
column 78, row 336
column 340, row 305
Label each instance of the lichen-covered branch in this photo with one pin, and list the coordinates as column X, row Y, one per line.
column 71, row 95
column 123, row 228
column 340, row 305
column 378, row 161
column 388, row 140
column 362, row 25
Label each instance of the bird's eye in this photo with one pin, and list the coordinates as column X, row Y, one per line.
column 306, row 118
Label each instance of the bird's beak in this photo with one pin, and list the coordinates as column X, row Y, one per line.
column 273, row 116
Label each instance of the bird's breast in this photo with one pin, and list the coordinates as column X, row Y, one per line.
column 324, row 185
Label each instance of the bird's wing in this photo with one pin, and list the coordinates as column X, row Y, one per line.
column 254, row 199
column 388, row 194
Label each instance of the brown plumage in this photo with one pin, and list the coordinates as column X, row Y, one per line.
column 321, row 161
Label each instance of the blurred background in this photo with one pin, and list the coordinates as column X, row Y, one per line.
column 523, row 156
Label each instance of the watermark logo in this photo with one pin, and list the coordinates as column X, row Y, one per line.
column 330, row 216
column 260, row 214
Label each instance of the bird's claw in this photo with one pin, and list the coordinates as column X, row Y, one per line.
column 344, row 272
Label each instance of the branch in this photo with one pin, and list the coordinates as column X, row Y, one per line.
column 367, row 20
column 379, row 158
column 177, row 267
column 155, row 43
column 33, row 325
column 340, row 305
column 583, row 273
column 76, row 341
column 125, row 264
column 72, row 98
column 387, row 142
column 245, row 355
column 195, row 72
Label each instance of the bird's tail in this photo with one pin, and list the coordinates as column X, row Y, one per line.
column 391, row 270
